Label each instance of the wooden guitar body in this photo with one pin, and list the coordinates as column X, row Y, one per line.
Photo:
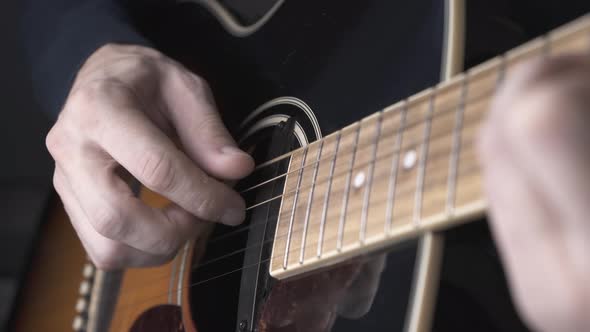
column 291, row 72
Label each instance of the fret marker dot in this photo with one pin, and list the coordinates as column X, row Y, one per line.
column 410, row 159
column 359, row 180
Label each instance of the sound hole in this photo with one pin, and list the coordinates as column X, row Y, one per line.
column 159, row 319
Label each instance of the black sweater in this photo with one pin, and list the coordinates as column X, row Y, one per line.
column 60, row 34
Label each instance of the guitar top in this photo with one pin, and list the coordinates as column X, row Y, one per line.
column 330, row 241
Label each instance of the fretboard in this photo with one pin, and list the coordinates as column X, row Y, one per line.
column 408, row 169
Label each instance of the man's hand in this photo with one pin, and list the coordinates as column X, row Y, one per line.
column 535, row 153
column 125, row 105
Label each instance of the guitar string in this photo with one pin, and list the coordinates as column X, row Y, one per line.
column 229, row 272
column 465, row 104
column 197, row 266
column 443, row 153
column 405, row 191
column 196, row 284
column 259, row 224
column 439, row 182
column 472, row 101
column 257, row 264
column 404, row 128
column 453, row 108
column 415, row 143
column 129, row 306
column 393, row 154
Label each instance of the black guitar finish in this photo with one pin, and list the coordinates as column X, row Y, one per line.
column 344, row 64
column 344, row 61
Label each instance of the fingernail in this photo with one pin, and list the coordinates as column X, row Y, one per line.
column 233, row 217
column 232, row 150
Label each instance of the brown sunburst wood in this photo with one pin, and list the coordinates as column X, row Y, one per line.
column 144, row 288
column 50, row 289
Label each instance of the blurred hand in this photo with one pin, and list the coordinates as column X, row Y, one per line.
column 535, row 154
column 125, row 105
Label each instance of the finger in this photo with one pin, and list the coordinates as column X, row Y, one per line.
column 528, row 234
column 115, row 213
column 105, row 253
column 192, row 111
column 147, row 153
column 550, row 135
column 524, row 219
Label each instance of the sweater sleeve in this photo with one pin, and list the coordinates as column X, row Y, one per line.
column 60, row 35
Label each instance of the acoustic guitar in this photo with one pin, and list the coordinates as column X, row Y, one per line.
column 343, row 231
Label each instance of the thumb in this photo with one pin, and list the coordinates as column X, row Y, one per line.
column 204, row 137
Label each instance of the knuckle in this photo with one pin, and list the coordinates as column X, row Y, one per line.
column 110, row 48
column 538, row 70
column 537, row 117
column 157, row 172
column 87, row 95
column 83, row 110
column 198, row 83
column 141, row 64
column 547, row 71
column 54, row 142
column 165, row 246
column 143, row 51
column 181, row 78
column 110, row 223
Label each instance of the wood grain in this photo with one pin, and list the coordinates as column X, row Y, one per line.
column 401, row 172
column 145, row 288
column 50, row 288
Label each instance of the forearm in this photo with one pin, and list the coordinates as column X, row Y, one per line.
column 60, row 35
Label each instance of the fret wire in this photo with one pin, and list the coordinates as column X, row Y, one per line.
column 394, row 169
column 367, row 193
column 196, row 267
column 310, row 202
column 422, row 167
column 432, row 184
column 329, row 156
column 287, row 155
column 292, row 218
column 327, row 197
column 347, row 190
column 405, row 191
column 455, row 149
column 438, row 181
column 466, row 124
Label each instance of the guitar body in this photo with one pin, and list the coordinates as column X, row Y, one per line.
column 289, row 73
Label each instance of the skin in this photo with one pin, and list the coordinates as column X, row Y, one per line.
column 129, row 105
column 535, row 158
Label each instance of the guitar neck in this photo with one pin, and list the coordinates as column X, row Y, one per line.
column 408, row 169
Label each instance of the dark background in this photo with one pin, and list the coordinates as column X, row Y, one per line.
column 25, row 165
